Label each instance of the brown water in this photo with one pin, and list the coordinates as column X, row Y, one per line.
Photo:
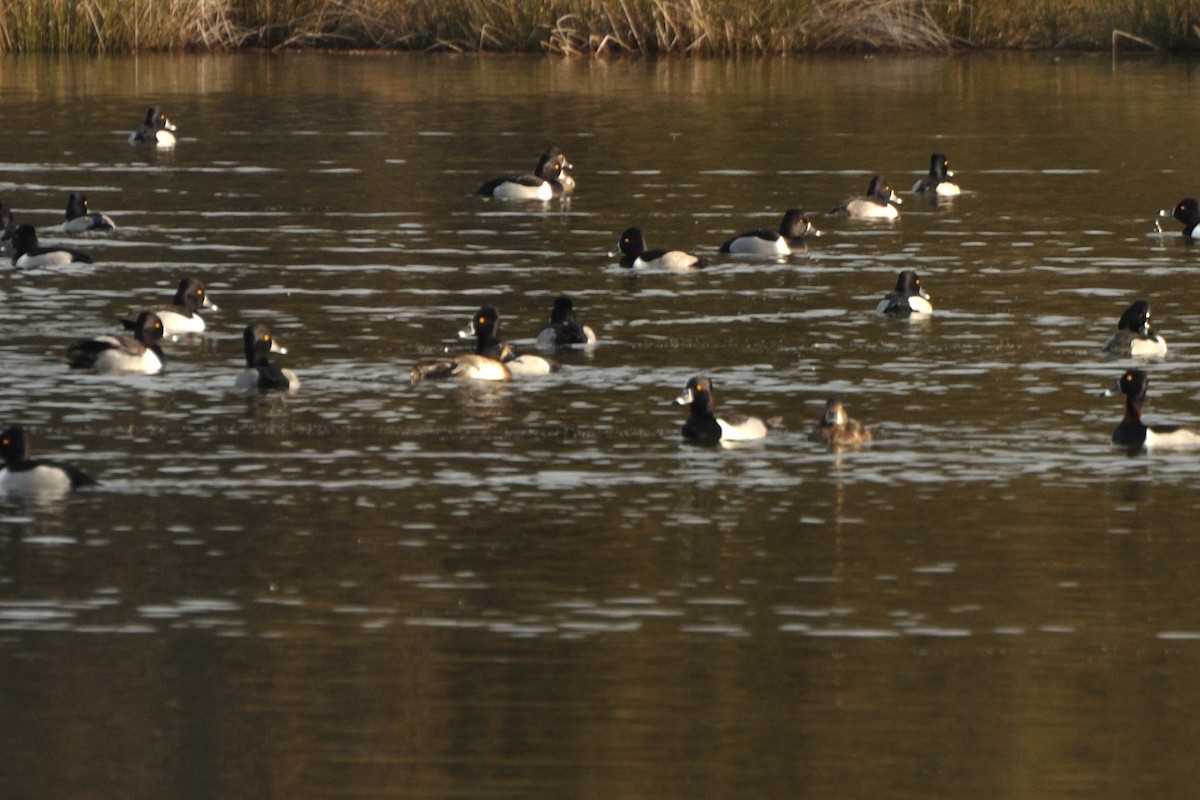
column 373, row 589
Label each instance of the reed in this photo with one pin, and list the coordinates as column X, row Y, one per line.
column 596, row 27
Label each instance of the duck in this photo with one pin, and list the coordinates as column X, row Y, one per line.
column 80, row 219
column 557, row 158
column 836, row 429
column 1133, row 336
column 788, row 239
column 484, row 328
column 879, row 202
column 1134, row 434
column 705, row 427
column 109, row 353
column 21, row 475
column 634, row 255
column 544, row 183
column 180, row 317
column 1187, row 211
column 907, row 298
column 938, row 180
column 260, row 375
column 27, row 253
column 465, row 366
column 564, row 330
column 156, row 129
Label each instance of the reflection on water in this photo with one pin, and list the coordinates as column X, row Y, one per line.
column 373, row 588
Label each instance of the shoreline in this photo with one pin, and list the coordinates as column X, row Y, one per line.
column 600, row 28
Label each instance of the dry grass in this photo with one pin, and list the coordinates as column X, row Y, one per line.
column 595, row 27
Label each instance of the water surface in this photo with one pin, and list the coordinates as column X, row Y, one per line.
column 375, row 589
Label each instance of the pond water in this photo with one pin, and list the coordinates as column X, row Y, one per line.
column 372, row 588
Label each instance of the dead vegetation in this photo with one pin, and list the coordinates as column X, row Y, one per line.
column 595, row 27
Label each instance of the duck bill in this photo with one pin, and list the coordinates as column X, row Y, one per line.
column 1113, row 390
column 276, row 347
column 467, row 332
column 1165, row 213
column 616, row 251
column 685, row 398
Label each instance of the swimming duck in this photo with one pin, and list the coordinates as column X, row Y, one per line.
column 836, row 429
column 938, row 180
column 157, row 129
column 468, row 366
column 108, row 353
column 261, row 375
column 555, row 157
column 484, row 327
column 27, row 253
column 544, row 183
column 879, row 202
column 704, row 426
column 1132, row 433
column 632, row 246
column 1186, row 211
column 790, row 237
column 80, row 219
column 1133, row 336
column 907, row 298
column 564, row 329
column 180, row 317
column 22, row 476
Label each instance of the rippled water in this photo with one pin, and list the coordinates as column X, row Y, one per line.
column 379, row 589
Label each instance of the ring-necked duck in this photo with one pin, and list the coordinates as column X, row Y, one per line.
column 1187, row 211
column 109, row 353
column 1133, row 336
column 1132, row 433
column 564, row 329
column 557, row 158
column 157, row 129
column 938, row 180
column 544, row 183
column 180, row 317
column 260, row 374
column 704, row 426
column 879, row 202
column 467, row 366
column 634, row 255
column 484, row 328
column 23, row 476
column 789, row 238
column 80, row 219
column 27, row 252
column 836, row 429
column 907, row 298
